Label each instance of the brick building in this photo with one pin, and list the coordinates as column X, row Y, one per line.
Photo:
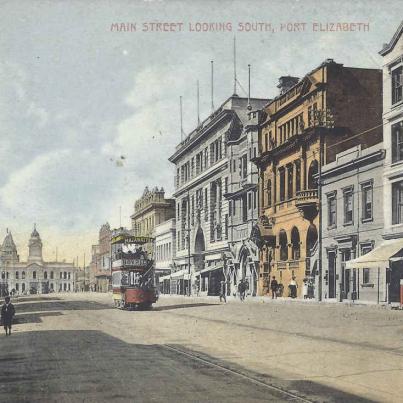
column 331, row 109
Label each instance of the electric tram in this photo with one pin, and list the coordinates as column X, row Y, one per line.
column 133, row 281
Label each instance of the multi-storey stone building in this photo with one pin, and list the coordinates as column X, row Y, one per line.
column 150, row 210
column 388, row 256
column 352, row 211
column 331, row 109
column 242, row 196
column 202, row 163
column 164, row 238
column 103, row 273
column 34, row 276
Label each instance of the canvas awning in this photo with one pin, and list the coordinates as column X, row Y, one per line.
column 378, row 257
column 208, row 269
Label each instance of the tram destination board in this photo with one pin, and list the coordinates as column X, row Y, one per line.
column 140, row 263
column 131, row 239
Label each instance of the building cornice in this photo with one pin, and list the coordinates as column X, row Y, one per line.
column 389, row 46
column 358, row 162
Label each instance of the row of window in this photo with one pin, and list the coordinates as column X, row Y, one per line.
column 203, row 160
column 63, row 275
column 163, row 252
column 246, row 202
column 348, row 205
column 291, row 128
column 288, row 176
column 144, row 226
column 62, row 287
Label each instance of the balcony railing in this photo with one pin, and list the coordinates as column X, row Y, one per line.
column 307, row 201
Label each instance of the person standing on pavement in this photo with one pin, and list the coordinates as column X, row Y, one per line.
column 7, row 314
column 241, row 290
column 223, row 291
column 293, row 288
column 273, row 287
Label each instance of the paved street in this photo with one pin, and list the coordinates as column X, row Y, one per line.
column 77, row 348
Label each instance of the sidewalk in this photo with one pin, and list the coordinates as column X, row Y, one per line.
column 279, row 300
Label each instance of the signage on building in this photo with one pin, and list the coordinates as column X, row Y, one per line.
column 131, row 239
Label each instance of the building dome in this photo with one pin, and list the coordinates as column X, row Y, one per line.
column 35, row 247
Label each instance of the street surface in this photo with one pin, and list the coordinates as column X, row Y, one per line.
column 77, row 348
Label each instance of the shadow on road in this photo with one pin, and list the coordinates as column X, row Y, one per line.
column 34, row 298
column 180, row 306
column 39, row 305
column 33, row 317
column 67, row 366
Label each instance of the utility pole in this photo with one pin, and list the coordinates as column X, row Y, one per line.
column 198, row 104
column 212, row 86
column 235, row 79
column 188, row 238
column 181, row 116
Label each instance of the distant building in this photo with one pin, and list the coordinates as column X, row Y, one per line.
column 100, row 266
column 164, row 239
column 34, row 276
column 150, row 210
column 352, row 211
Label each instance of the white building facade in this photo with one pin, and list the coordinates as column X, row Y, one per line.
column 352, row 224
column 35, row 276
column 202, row 160
column 164, row 254
column 393, row 143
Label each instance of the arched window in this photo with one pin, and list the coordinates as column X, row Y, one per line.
column 295, row 244
column 23, row 275
column 51, row 275
column 3, row 275
column 7, row 275
column 311, row 240
column 65, row 275
column 17, row 275
column 312, row 172
column 269, row 192
column 34, row 274
column 283, row 245
column 45, row 275
column 23, row 286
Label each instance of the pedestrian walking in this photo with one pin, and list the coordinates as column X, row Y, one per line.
column 305, row 289
column 241, row 290
column 223, row 291
column 7, row 314
column 273, row 287
column 293, row 288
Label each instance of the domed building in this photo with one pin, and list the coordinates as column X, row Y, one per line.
column 34, row 276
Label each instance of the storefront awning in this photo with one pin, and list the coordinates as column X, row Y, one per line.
column 378, row 257
column 207, row 269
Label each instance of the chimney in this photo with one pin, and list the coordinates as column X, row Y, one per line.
column 286, row 82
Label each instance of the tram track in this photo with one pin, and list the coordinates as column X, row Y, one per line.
column 290, row 395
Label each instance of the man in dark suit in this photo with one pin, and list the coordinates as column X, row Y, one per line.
column 7, row 314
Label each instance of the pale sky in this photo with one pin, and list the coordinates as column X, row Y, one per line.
column 75, row 97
